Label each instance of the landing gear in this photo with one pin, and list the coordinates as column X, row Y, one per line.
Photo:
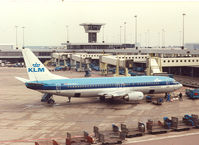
column 69, row 98
column 51, row 101
column 102, row 98
column 48, row 98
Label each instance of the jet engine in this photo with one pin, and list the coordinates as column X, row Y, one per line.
column 133, row 96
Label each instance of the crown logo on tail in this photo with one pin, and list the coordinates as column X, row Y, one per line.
column 36, row 65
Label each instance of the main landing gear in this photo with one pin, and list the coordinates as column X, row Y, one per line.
column 48, row 98
column 102, row 98
column 69, row 98
column 51, row 101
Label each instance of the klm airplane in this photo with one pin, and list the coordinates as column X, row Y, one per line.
column 127, row 88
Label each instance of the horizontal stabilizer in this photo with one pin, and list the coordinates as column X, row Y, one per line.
column 22, row 79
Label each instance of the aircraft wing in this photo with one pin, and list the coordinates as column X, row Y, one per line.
column 114, row 93
column 126, row 94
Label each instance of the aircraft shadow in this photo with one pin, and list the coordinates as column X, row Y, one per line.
column 93, row 103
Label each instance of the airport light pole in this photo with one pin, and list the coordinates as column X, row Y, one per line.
column 159, row 39
column 183, row 30
column 148, row 38
column 124, row 32
column 16, row 27
column 163, row 38
column 136, row 31
column 103, row 34
column 140, row 41
column 67, row 35
column 120, row 34
column 180, row 35
column 23, row 37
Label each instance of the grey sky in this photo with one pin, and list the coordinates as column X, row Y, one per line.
column 45, row 20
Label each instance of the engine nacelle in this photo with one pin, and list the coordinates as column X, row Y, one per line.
column 134, row 96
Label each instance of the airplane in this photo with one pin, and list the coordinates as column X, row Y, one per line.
column 126, row 88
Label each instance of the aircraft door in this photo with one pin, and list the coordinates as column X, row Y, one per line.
column 58, row 88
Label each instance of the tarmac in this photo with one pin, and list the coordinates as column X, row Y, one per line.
column 24, row 119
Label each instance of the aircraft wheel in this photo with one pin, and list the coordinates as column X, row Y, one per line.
column 51, row 101
column 102, row 98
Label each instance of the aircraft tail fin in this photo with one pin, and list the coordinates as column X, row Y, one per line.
column 36, row 70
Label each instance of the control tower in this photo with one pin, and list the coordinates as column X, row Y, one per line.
column 92, row 29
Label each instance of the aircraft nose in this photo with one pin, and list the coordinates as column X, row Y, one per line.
column 180, row 85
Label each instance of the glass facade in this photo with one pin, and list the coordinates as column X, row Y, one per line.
column 94, row 27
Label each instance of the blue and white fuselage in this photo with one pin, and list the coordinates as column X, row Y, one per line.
column 128, row 88
column 92, row 87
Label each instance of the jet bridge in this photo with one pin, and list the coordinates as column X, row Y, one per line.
column 83, row 58
column 124, row 61
column 57, row 57
column 155, row 64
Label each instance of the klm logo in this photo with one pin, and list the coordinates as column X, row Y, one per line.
column 36, row 68
column 35, row 65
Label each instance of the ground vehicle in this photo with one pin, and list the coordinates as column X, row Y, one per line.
column 192, row 93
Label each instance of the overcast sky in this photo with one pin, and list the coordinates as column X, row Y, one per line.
column 45, row 21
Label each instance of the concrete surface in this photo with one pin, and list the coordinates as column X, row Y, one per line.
column 24, row 119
